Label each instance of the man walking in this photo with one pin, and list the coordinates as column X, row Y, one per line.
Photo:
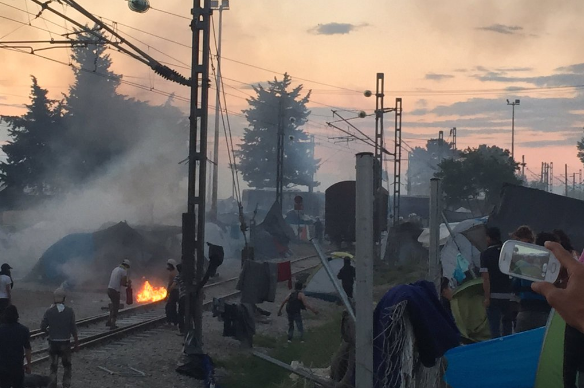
column 14, row 344
column 118, row 278
column 295, row 303
column 347, row 276
column 59, row 323
column 318, row 230
column 5, row 288
column 497, row 287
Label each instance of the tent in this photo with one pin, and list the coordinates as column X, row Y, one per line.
column 460, row 244
column 270, row 238
column 531, row 359
column 469, row 313
column 424, row 238
column 88, row 258
column 319, row 284
column 541, row 210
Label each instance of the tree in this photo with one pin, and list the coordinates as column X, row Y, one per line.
column 580, row 147
column 423, row 164
column 33, row 150
column 479, row 172
column 272, row 105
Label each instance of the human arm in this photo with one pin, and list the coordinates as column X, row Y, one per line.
column 74, row 333
column 302, row 297
column 282, row 305
column 9, row 293
column 569, row 301
column 125, row 281
column 27, row 353
column 486, row 288
column 45, row 323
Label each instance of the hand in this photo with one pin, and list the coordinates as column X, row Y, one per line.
column 27, row 369
column 487, row 302
column 568, row 302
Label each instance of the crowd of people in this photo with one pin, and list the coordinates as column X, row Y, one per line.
column 517, row 305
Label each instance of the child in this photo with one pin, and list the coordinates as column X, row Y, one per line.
column 295, row 303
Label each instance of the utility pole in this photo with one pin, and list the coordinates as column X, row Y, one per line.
column 193, row 238
column 220, row 7
column 397, row 163
column 574, row 183
column 566, row 176
column 434, row 224
column 453, row 133
column 364, row 270
column 378, row 156
column 551, row 177
column 312, row 150
column 516, row 102
column 523, row 167
column 280, row 153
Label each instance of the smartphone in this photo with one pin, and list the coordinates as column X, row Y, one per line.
column 528, row 261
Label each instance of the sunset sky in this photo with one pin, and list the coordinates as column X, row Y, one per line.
column 454, row 63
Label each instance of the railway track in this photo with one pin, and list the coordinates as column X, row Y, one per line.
column 140, row 317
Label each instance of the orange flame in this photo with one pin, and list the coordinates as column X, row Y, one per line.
column 151, row 294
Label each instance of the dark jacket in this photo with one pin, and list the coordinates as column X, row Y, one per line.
column 60, row 325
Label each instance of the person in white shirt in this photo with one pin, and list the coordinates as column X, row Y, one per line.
column 118, row 278
column 5, row 288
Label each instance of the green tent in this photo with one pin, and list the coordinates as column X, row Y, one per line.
column 469, row 311
column 551, row 360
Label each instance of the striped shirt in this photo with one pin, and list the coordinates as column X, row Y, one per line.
column 182, row 289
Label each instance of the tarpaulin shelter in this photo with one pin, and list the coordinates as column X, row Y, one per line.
column 531, row 359
column 319, row 285
column 88, row 258
column 541, row 210
column 459, row 244
column 270, row 238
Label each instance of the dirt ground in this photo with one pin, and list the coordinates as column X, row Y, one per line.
column 157, row 352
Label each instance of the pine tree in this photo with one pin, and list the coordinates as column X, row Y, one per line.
column 32, row 152
column 95, row 134
column 272, row 105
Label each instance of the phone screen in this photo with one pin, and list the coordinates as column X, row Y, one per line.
column 529, row 262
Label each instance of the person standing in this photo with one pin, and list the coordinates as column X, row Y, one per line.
column 5, row 287
column 178, row 284
column 118, row 278
column 318, row 230
column 59, row 323
column 534, row 310
column 295, row 303
column 173, row 294
column 496, row 286
column 347, row 276
column 14, row 346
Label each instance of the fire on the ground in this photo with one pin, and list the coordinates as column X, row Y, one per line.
column 150, row 294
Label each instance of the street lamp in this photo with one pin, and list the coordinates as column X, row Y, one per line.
column 139, row 6
column 516, row 102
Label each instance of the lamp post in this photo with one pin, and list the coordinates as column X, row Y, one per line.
column 516, row 102
column 219, row 5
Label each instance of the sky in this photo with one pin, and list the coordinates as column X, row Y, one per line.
column 453, row 63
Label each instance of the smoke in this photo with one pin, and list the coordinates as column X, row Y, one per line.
column 147, row 185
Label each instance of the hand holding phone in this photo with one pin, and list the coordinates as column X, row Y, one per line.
column 528, row 261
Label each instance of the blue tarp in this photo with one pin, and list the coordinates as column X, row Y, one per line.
column 78, row 247
column 506, row 362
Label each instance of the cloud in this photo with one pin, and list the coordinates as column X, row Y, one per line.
column 437, row 77
column 501, row 29
column 513, row 69
column 336, row 28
